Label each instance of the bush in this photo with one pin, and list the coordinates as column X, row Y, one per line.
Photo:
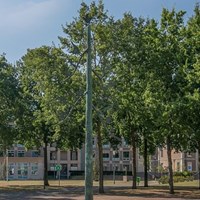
column 163, row 180
column 178, row 177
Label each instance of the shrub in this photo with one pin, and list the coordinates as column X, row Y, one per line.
column 178, row 177
column 163, row 180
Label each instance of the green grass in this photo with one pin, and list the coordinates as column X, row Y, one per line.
column 194, row 183
column 182, row 190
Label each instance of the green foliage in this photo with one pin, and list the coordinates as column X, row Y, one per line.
column 146, row 78
column 178, row 177
column 50, row 93
column 9, row 102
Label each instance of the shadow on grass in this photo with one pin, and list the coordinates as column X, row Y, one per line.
column 72, row 192
column 38, row 192
column 155, row 192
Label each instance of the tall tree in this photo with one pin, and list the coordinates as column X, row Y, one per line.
column 50, row 93
column 191, row 52
column 9, row 102
column 167, row 84
column 128, row 76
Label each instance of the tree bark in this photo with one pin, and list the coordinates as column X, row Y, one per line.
column 145, row 163
column 100, row 151
column 134, row 171
column 169, row 157
column 199, row 163
column 46, row 183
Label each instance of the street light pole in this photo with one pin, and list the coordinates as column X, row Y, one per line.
column 88, row 139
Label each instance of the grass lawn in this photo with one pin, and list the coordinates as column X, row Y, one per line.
column 185, row 190
column 22, row 183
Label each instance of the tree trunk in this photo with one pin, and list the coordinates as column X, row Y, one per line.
column 169, row 157
column 46, row 183
column 145, row 163
column 199, row 162
column 100, row 151
column 134, row 171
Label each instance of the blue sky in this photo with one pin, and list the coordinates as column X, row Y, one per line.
column 32, row 23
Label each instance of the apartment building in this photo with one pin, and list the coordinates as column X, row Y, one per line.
column 29, row 164
column 17, row 163
column 69, row 161
column 120, row 158
column 181, row 161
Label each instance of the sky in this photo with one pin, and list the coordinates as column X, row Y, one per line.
column 32, row 23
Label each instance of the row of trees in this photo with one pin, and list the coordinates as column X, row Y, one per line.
column 146, row 77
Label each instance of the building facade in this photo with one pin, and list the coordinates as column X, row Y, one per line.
column 181, row 161
column 22, row 164
column 19, row 163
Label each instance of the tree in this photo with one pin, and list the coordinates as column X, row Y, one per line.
column 167, row 84
column 191, row 72
column 9, row 102
column 128, row 77
column 50, row 96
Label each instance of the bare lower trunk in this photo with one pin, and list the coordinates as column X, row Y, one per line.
column 99, row 142
column 199, row 163
column 145, row 164
column 46, row 183
column 134, row 171
column 169, row 157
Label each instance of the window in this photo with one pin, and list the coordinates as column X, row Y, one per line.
column 34, row 168
column 178, row 166
column 126, row 155
column 125, row 143
column 106, row 145
column 115, row 156
column 20, row 153
column 11, row 169
column 35, row 153
column 189, row 166
column 53, row 155
column 11, row 153
column 22, row 170
column 74, row 155
column 106, row 156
